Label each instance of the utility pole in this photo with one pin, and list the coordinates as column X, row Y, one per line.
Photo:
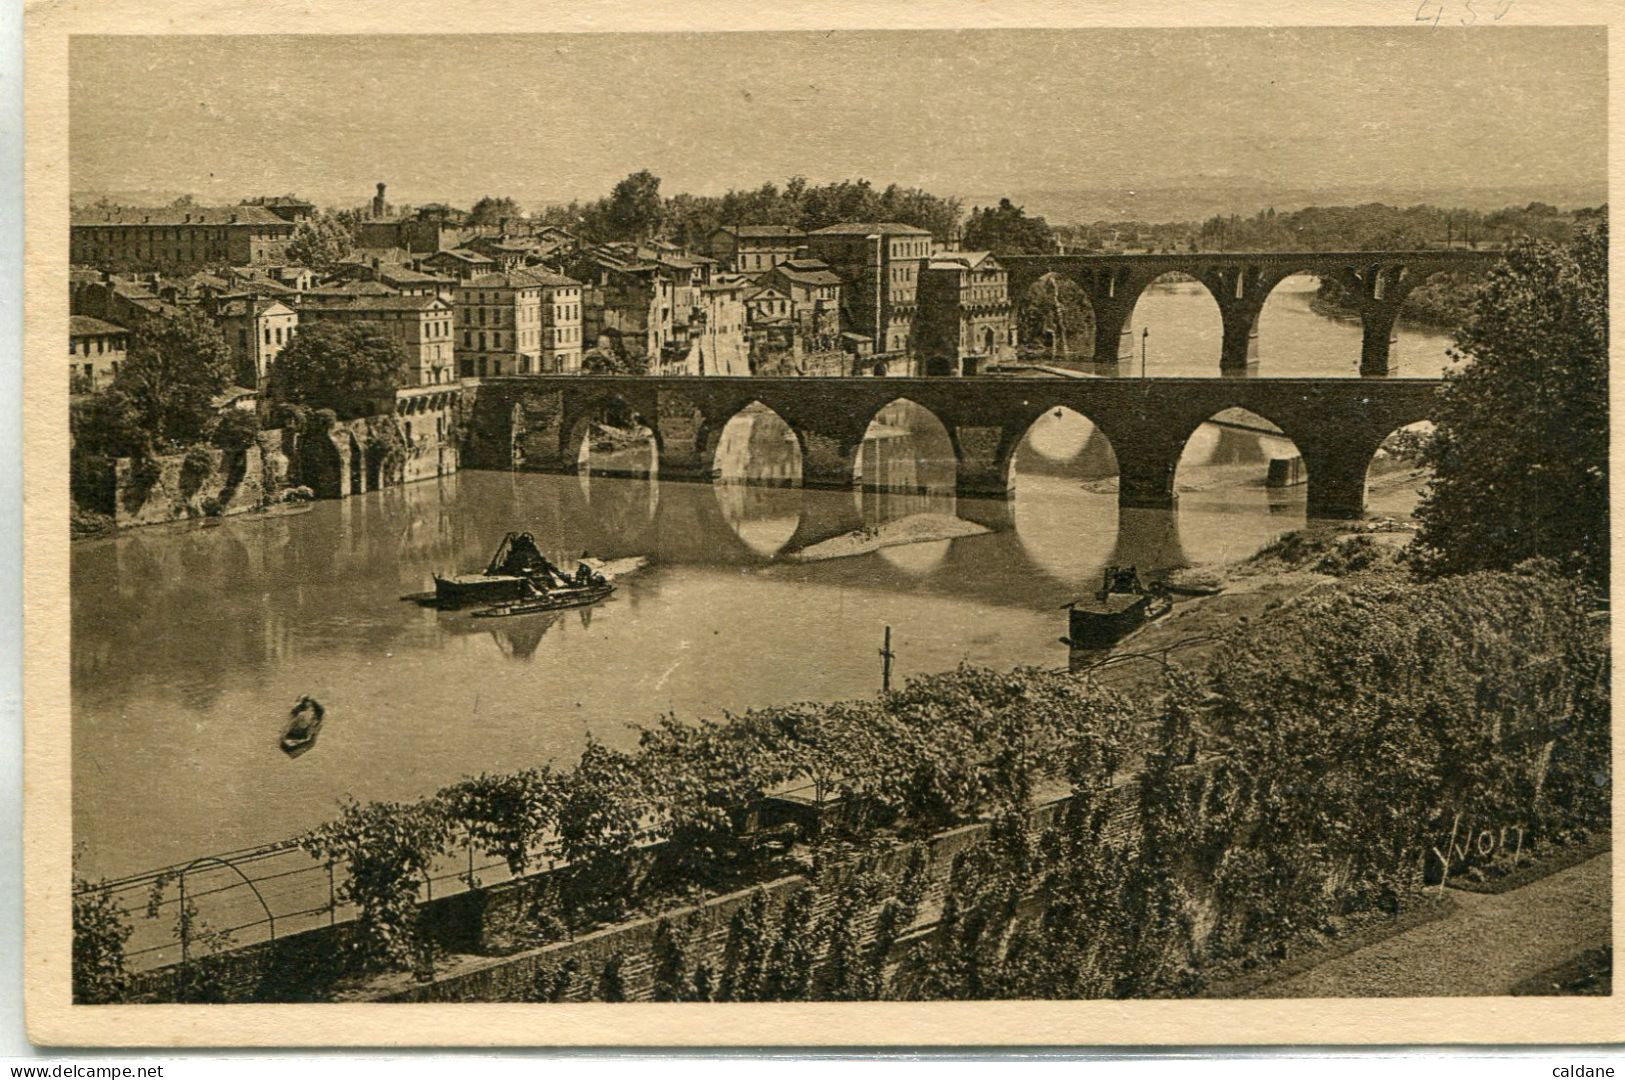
column 886, row 657
column 1145, row 332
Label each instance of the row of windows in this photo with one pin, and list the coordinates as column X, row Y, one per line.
column 73, row 346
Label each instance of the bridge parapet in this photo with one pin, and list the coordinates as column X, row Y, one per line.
column 1240, row 283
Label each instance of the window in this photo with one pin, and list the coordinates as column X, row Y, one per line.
column 268, row 335
column 279, row 335
column 468, row 338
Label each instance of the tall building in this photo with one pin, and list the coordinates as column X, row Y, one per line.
column 177, row 238
column 753, row 249
column 499, row 325
column 561, row 321
column 422, row 324
column 879, row 264
column 964, row 317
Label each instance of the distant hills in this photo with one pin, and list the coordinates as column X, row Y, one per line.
column 1195, row 200
column 1201, row 199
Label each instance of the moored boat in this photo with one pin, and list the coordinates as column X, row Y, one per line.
column 517, row 566
column 1123, row 605
column 551, row 600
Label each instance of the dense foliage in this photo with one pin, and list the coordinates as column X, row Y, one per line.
column 635, row 210
column 1007, row 230
column 164, row 395
column 321, row 243
column 346, row 367
column 1520, row 449
column 100, row 930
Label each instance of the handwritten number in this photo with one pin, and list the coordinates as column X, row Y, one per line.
column 1500, row 12
column 1472, row 16
column 1422, row 12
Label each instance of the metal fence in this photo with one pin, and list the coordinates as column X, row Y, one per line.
column 239, row 898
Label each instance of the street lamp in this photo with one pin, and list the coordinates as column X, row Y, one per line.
column 1145, row 332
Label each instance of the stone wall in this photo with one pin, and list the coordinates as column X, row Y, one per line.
column 176, row 487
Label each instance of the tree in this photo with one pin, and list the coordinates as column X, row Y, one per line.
column 492, row 210
column 1520, row 449
column 176, row 368
column 634, row 210
column 236, row 429
column 101, row 929
column 321, row 243
column 338, row 366
column 1007, row 230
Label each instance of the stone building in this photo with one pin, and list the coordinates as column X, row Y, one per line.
column 96, row 350
column 753, row 249
column 499, row 325
column 459, row 264
column 256, row 329
column 627, row 304
column 422, row 324
column 561, row 342
column 964, row 321
column 180, row 238
column 815, row 299
column 879, row 265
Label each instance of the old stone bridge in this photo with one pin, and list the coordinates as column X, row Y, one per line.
column 540, row 422
column 1240, row 283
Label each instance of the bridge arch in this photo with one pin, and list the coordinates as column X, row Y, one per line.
column 1394, row 470
column 1055, row 319
column 1062, row 442
column 1237, row 449
column 756, row 445
column 614, row 411
column 924, row 453
column 1176, row 325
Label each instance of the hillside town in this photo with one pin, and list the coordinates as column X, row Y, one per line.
column 473, row 299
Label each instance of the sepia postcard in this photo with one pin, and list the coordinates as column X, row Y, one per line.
column 901, row 525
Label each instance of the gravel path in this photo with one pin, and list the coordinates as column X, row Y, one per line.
column 1488, row 945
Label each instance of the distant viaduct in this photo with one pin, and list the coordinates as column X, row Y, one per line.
column 1240, row 282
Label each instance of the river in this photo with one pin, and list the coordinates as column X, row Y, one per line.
column 191, row 644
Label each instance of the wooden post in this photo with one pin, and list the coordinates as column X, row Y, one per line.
column 886, row 657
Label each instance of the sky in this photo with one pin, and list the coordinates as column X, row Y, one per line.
column 553, row 117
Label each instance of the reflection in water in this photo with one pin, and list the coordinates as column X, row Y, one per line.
column 190, row 645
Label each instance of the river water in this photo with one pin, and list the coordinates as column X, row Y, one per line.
column 191, row 644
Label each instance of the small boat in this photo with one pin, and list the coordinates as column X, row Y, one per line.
column 1123, row 605
column 304, row 724
column 551, row 600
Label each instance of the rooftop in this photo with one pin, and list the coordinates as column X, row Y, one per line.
column 871, row 228
column 85, row 326
column 519, row 279
column 960, row 260
column 381, row 303
column 762, row 232
column 179, row 215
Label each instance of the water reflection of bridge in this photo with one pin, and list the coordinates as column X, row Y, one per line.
column 679, row 522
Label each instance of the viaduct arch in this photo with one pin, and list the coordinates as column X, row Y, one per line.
column 1240, row 283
